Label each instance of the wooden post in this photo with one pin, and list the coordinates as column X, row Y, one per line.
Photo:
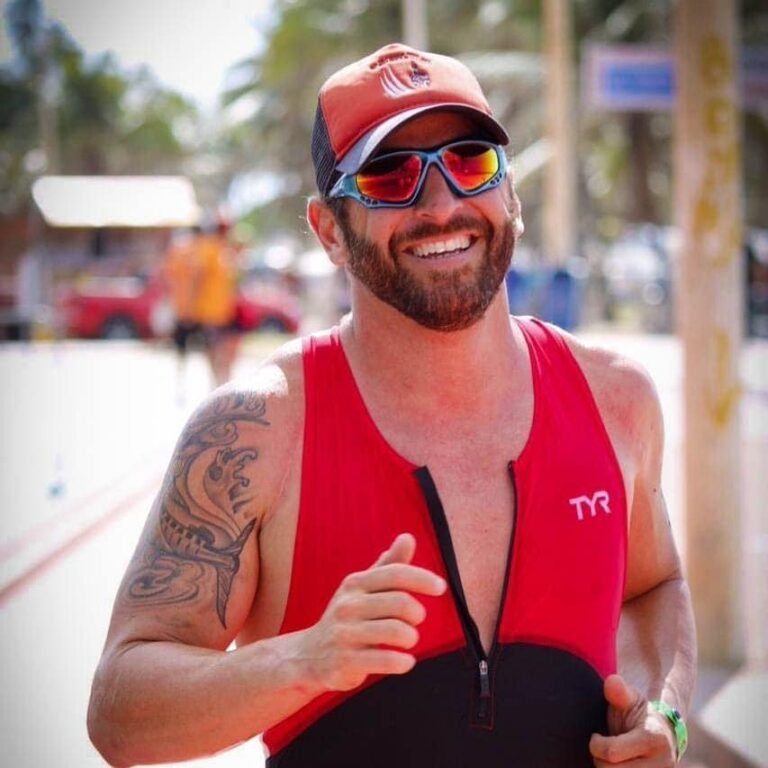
column 709, row 216
column 415, row 27
column 559, row 216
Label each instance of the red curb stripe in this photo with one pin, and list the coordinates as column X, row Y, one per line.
column 35, row 571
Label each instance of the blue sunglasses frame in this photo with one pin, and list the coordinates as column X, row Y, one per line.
column 346, row 186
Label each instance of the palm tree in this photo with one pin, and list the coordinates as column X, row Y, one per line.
column 62, row 112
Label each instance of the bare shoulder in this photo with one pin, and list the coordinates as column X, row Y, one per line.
column 255, row 423
column 625, row 394
column 608, row 367
column 629, row 404
column 195, row 571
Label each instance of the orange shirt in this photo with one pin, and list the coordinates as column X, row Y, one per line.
column 216, row 281
column 180, row 270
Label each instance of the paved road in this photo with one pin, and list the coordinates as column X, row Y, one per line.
column 86, row 431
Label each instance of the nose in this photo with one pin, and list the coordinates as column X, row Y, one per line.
column 437, row 199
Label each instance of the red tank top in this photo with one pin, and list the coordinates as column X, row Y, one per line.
column 538, row 693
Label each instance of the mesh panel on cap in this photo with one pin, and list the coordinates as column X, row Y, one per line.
column 322, row 154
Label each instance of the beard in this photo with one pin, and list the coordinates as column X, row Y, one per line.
column 444, row 300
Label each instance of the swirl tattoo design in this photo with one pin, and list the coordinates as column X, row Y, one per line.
column 202, row 527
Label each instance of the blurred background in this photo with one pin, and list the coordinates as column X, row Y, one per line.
column 218, row 96
column 129, row 130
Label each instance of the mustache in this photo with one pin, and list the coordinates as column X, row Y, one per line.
column 430, row 229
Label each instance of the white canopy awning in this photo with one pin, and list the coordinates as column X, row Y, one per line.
column 116, row 201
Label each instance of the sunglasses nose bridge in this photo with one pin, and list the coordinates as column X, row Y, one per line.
column 435, row 187
column 436, row 159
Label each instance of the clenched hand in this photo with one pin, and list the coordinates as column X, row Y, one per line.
column 371, row 620
column 639, row 736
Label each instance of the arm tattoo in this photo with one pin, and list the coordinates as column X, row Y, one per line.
column 202, row 527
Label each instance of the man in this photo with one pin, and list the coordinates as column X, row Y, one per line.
column 179, row 272
column 421, row 527
column 215, row 304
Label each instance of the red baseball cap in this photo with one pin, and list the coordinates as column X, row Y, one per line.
column 361, row 104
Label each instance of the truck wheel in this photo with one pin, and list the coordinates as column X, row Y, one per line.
column 272, row 325
column 119, row 327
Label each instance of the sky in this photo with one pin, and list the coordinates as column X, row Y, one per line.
column 189, row 44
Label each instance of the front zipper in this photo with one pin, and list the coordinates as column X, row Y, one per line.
column 481, row 714
column 484, row 700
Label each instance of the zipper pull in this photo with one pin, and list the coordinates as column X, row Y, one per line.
column 485, row 691
column 485, row 683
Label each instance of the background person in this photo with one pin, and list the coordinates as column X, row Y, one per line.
column 215, row 305
column 421, row 527
column 180, row 274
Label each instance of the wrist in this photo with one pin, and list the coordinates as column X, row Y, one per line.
column 676, row 723
column 291, row 668
column 305, row 663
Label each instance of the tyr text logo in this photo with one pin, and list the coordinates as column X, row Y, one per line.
column 599, row 500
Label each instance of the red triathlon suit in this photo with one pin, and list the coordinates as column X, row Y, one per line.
column 534, row 700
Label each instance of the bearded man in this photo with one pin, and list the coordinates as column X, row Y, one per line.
column 435, row 533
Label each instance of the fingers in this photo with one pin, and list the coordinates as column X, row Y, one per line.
column 401, row 550
column 337, row 666
column 383, row 604
column 393, row 571
column 617, row 749
column 397, row 576
column 377, row 661
column 370, row 622
column 647, row 747
column 389, row 632
column 627, row 708
column 636, row 738
column 619, row 694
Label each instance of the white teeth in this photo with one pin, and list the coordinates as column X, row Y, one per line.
column 442, row 246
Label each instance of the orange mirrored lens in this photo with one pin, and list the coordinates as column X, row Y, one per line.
column 393, row 179
column 396, row 178
column 471, row 165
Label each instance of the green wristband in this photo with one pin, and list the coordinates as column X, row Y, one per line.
column 677, row 723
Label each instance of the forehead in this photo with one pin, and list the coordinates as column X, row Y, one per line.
column 430, row 130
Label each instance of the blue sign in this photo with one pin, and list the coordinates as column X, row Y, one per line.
column 644, row 83
column 639, row 78
column 626, row 77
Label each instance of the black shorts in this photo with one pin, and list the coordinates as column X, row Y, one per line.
column 182, row 333
column 213, row 334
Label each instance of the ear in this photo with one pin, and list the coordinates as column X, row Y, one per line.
column 327, row 230
column 513, row 206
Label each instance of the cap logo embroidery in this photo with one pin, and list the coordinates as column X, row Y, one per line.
column 397, row 85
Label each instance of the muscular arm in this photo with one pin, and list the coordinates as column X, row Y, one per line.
column 656, row 645
column 166, row 688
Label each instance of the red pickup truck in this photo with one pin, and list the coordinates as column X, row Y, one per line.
column 136, row 307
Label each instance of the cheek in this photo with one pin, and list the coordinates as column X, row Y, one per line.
column 511, row 200
column 513, row 208
column 498, row 208
column 375, row 226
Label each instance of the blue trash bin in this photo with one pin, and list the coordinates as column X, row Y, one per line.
column 561, row 301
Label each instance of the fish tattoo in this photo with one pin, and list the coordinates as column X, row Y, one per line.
column 202, row 523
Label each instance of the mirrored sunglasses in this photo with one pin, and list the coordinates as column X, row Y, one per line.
column 395, row 179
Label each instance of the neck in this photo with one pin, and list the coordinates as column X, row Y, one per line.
column 433, row 368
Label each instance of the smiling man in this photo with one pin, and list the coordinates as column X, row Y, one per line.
column 435, row 532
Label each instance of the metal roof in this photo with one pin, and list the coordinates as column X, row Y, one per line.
column 116, row 201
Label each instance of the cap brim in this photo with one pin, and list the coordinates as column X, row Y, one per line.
column 365, row 146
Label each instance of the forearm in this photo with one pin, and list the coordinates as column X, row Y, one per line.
column 157, row 702
column 657, row 644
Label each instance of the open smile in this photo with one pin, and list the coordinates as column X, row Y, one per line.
column 437, row 249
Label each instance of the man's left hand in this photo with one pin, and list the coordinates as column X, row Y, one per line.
column 638, row 734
